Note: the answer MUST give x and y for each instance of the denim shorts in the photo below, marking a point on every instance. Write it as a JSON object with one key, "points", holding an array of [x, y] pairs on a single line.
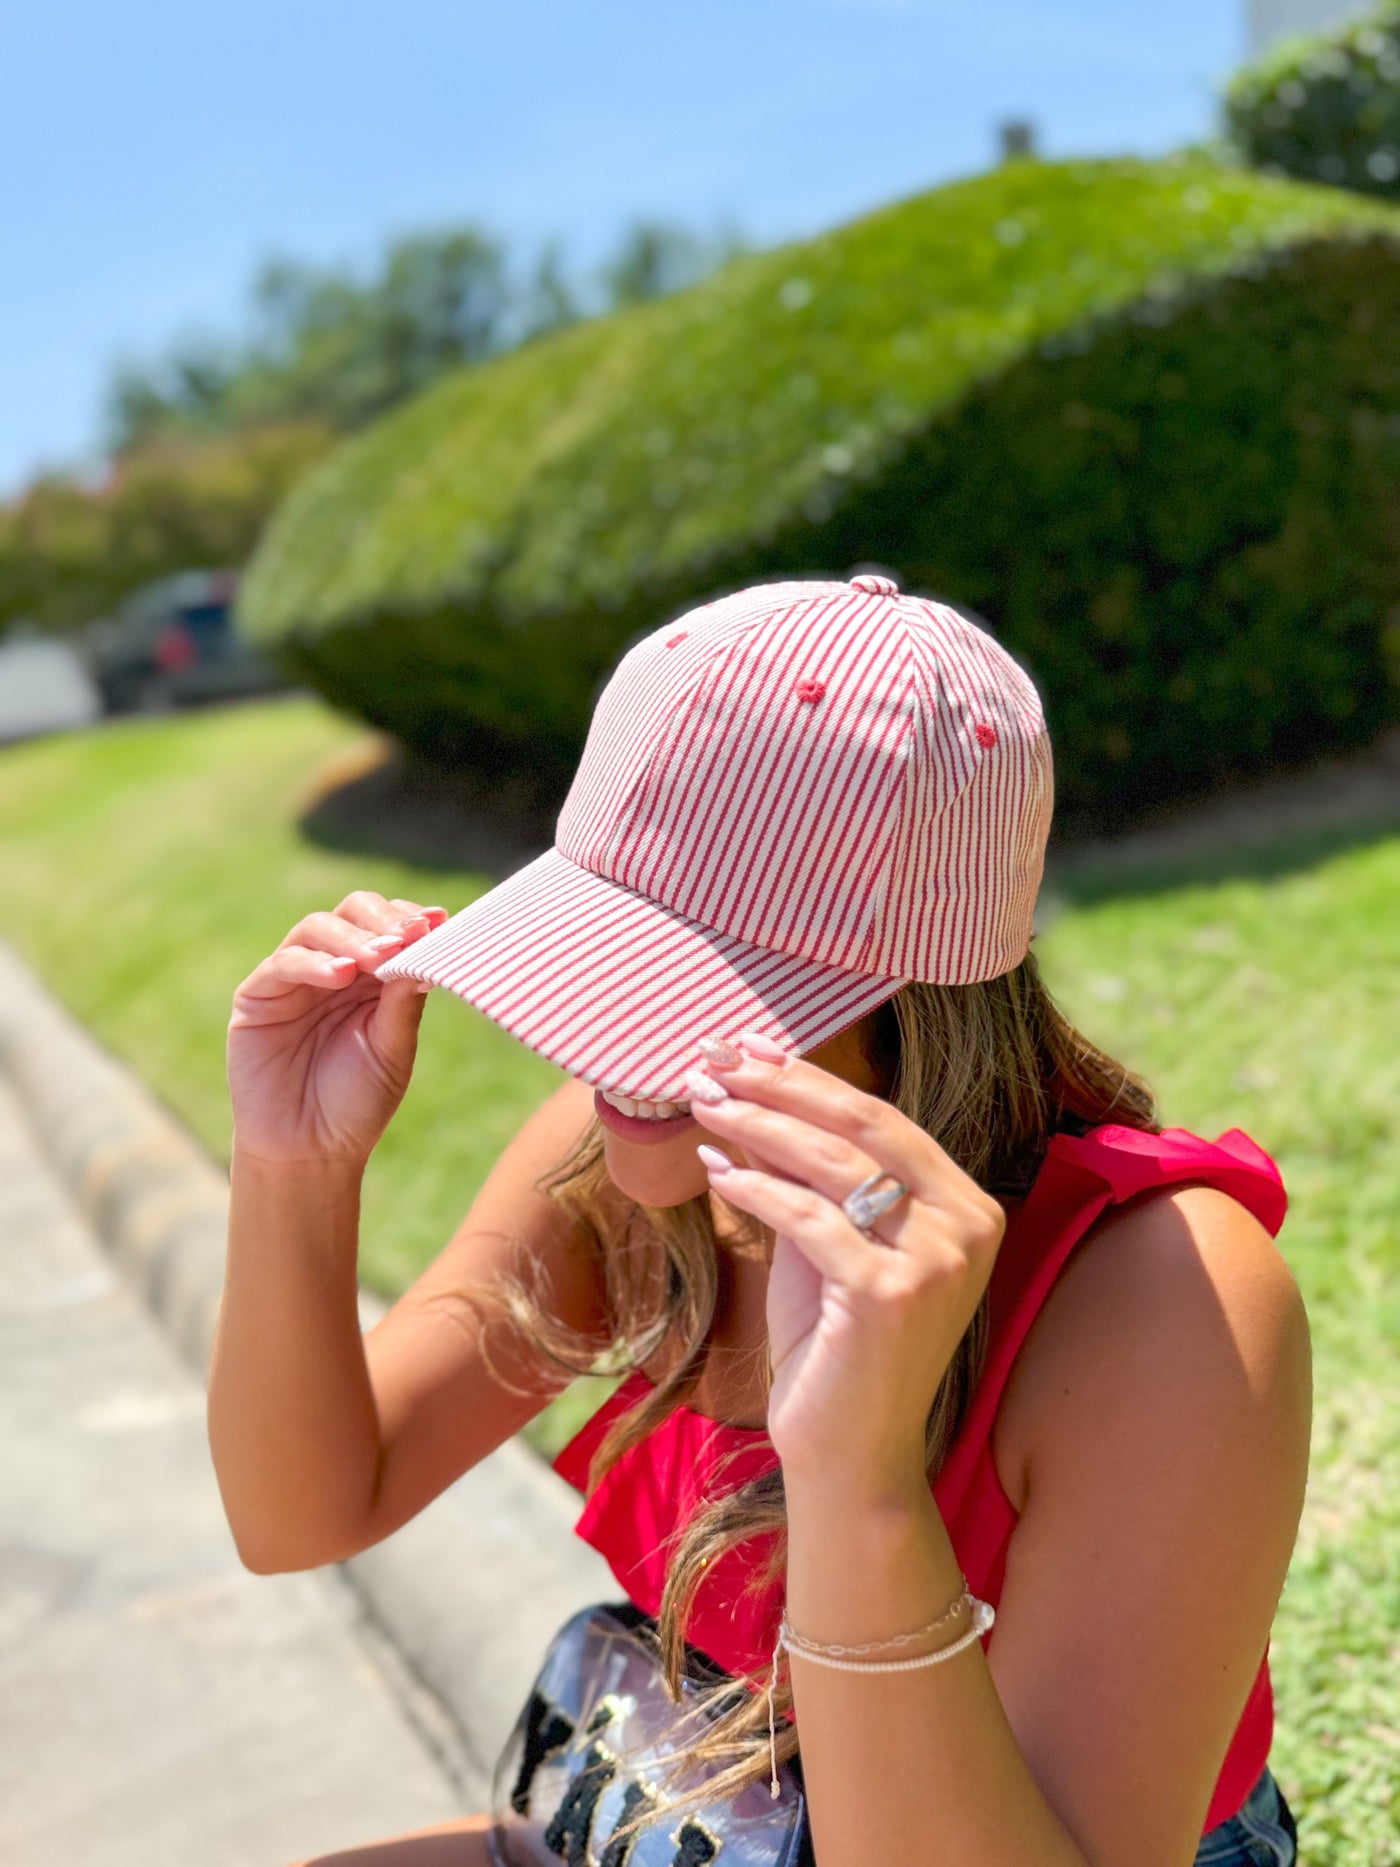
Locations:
{"points": [[1262, 1834]]}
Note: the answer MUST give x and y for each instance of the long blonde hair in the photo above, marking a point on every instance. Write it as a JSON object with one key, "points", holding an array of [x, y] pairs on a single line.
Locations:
{"points": [[990, 1070]]}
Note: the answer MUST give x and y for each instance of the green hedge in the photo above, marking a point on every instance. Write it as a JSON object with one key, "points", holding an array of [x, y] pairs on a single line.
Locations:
{"points": [[1143, 418], [1326, 108]]}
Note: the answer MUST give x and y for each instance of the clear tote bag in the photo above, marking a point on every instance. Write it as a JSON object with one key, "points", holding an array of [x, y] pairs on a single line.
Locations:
{"points": [[586, 1754]]}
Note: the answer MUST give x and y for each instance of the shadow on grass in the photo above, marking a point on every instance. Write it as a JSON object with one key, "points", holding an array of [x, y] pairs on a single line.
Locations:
{"points": [[1256, 832], [383, 803], [1072, 885]]}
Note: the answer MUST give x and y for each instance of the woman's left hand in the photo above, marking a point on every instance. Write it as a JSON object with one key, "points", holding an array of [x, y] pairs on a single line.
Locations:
{"points": [[860, 1330]]}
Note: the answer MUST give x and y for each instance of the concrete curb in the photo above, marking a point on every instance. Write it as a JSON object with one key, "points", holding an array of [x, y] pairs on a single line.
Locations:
{"points": [[471, 1590]]}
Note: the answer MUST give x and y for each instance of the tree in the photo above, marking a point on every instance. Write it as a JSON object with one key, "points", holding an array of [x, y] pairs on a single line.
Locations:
{"points": [[655, 258], [326, 344]]}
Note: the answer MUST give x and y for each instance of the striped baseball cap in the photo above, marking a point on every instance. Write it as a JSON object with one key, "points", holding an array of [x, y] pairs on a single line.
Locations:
{"points": [[791, 802]]}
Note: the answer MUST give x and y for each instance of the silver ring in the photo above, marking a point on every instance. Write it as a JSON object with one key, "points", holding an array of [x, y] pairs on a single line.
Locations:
{"points": [[862, 1206]]}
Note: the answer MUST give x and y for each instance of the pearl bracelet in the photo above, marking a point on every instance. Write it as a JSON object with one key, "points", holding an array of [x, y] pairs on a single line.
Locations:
{"points": [[983, 1616]]}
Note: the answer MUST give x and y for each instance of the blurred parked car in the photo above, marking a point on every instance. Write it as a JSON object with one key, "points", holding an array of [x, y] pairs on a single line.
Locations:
{"points": [[45, 686], [172, 644]]}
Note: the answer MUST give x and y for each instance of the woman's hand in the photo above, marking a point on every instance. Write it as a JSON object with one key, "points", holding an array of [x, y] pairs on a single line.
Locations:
{"points": [[860, 1330], [320, 1052]]}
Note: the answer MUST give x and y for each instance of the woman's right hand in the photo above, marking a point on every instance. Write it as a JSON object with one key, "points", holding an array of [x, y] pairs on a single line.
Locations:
{"points": [[320, 1052]]}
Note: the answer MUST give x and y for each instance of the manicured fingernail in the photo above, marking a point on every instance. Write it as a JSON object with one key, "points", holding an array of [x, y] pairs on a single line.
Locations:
{"points": [[442, 911], [715, 1050], [422, 985], [713, 1159], [758, 1046], [704, 1088], [381, 942]]}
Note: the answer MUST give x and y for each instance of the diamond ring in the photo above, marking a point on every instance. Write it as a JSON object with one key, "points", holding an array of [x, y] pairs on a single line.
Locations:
{"points": [[862, 1205]]}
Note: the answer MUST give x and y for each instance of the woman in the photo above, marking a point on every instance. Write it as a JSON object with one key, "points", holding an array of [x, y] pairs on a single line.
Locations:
{"points": [[964, 1440]]}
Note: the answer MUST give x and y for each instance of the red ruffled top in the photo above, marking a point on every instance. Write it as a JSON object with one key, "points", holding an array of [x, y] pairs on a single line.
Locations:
{"points": [[655, 1487]]}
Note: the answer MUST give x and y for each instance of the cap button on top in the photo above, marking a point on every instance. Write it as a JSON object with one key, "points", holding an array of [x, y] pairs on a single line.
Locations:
{"points": [[876, 586]]}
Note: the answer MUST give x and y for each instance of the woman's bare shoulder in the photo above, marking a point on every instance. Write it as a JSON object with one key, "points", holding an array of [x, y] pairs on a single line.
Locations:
{"points": [[1162, 1422], [1176, 1299]]}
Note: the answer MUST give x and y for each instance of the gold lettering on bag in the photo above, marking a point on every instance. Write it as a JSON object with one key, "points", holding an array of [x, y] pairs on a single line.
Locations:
{"points": [[546, 1731], [569, 1834], [624, 1837], [609, 1707], [695, 1845]]}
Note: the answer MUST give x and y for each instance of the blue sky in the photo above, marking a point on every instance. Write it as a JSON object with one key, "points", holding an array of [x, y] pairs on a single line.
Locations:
{"points": [[153, 153]]}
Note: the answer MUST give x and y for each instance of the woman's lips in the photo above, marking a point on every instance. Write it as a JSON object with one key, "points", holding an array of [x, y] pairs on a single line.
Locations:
{"points": [[635, 1128]]}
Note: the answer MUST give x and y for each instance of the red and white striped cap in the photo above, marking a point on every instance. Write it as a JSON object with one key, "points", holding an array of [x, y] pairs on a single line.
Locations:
{"points": [[791, 802]]}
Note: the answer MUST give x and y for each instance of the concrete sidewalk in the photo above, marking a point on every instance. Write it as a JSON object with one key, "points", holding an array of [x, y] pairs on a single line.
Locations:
{"points": [[160, 1706]]}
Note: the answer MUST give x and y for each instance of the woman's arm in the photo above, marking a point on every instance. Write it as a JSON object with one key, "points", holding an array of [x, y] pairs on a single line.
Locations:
{"points": [[325, 1441], [290, 1410], [1172, 1409]]}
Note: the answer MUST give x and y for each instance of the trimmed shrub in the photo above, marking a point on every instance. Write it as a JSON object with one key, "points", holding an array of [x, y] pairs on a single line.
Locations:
{"points": [[1326, 108], [1143, 418]]}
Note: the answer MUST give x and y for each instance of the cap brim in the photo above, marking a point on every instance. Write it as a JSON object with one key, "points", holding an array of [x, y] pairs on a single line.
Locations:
{"points": [[616, 989]]}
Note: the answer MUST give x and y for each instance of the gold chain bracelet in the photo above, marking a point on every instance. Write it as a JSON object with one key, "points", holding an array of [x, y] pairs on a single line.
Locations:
{"points": [[799, 1642], [837, 1657]]}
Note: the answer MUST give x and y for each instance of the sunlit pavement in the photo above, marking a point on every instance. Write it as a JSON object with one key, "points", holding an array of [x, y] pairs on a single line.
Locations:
{"points": [[161, 1706]]}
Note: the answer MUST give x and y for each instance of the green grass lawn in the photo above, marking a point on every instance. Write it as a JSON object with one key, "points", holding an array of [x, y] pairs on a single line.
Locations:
{"points": [[149, 865]]}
